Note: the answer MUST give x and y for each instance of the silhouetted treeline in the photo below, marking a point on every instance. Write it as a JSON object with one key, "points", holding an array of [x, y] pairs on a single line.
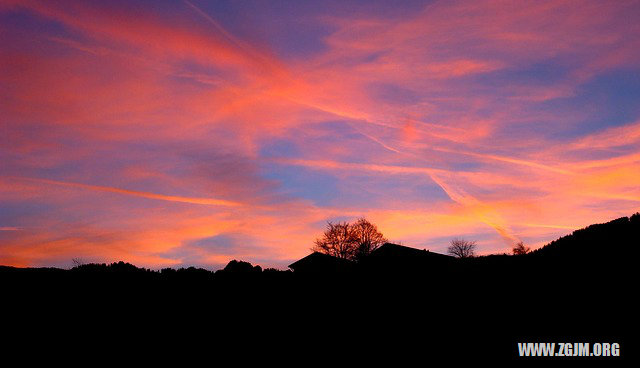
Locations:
{"points": [[126, 271], [401, 305], [619, 238], [614, 241]]}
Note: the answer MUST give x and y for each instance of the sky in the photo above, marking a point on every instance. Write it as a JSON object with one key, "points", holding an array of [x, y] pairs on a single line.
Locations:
{"points": [[189, 133]]}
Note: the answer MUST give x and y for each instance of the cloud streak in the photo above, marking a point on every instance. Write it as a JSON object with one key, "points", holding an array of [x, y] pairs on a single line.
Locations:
{"points": [[490, 120], [135, 193]]}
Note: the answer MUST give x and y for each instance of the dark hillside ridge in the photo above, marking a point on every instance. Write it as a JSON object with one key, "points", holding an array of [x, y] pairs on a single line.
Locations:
{"points": [[616, 241], [402, 305], [617, 238]]}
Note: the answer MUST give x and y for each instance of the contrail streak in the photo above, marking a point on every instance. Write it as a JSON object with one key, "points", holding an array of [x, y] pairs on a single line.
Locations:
{"points": [[135, 193], [480, 210]]}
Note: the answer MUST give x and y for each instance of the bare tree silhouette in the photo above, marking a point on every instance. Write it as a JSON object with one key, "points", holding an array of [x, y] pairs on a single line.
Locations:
{"points": [[520, 249], [350, 241], [77, 262], [338, 241], [462, 248], [367, 236]]}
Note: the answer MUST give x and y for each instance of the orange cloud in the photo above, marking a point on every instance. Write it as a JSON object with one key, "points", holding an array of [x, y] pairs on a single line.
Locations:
{"points": [[192, 200], [449, 100], [610, 137]]}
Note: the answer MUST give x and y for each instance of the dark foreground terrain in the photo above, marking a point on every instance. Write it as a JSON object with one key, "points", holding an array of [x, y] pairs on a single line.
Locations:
{"points": [[580, 288]]}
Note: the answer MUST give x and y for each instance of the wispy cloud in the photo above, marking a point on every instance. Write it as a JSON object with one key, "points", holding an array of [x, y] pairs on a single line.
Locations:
{"points": [[161, 197], [496, 121]]}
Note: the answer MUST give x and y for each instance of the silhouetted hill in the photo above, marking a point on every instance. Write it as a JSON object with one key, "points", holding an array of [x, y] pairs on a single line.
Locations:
{"points": [[577, 288], [598, 249], [616, 239], [619, 238], [241, 266]]}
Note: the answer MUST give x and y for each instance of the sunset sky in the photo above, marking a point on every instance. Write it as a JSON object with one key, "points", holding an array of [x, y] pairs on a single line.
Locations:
{"points": [[189, 133]]}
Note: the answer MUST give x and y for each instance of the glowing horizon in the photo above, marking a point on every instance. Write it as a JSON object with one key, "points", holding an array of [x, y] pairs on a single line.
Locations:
{"points": [[179, 133]]}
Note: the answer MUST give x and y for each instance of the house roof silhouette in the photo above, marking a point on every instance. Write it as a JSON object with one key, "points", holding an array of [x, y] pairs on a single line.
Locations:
{"points": [[398, 258], [390, 250], [388, 256], [320, 262]]}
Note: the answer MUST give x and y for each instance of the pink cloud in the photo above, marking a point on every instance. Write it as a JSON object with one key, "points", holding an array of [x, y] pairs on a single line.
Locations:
{"points": [[145, 131]]}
